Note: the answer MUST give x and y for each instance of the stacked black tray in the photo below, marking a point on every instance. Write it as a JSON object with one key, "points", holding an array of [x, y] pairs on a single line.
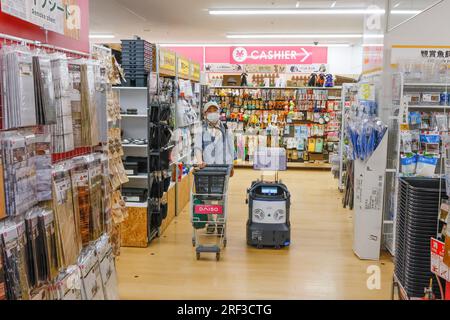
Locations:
{"points": [[138, 60], [417, 222]]}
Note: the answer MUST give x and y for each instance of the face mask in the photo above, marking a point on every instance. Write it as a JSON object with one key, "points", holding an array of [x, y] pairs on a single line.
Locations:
{"points": [[213, 117]]}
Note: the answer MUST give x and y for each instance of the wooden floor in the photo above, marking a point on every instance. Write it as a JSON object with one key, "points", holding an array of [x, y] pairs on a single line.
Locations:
{"points": [[320, 264]]}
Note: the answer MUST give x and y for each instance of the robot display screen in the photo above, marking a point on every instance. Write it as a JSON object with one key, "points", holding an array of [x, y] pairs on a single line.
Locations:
{"points": [[269, 190]]}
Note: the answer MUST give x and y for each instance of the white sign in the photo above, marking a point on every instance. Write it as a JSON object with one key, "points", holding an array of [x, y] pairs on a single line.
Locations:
{"points": [[49, 14], [224, 67], [305, 68], [417, 53]]}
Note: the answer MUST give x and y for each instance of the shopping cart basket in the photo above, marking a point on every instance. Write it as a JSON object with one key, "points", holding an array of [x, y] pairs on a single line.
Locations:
{"points": [[209, 209]]}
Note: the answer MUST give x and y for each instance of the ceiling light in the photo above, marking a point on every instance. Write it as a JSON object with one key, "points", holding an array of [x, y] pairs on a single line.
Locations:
{"points": [[406, 12], [175, 45], [292, 36], [396, 5], [297, 5], [101, 36], [294, 11], [333, 4]]}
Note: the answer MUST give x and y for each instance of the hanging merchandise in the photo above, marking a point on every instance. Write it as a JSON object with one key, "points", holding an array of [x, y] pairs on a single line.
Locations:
{"points": [[45, 92], [69, 285], [49, 265], [365, 135], [107, 268], [18, 84], [91, 278], [20, 172], [2, 277], [68, 230], [63, 135], [13, 245]]}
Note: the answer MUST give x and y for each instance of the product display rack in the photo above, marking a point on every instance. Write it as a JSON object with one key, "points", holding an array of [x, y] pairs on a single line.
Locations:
{"points": [[405, 103], [305, 120], [62, 229]]}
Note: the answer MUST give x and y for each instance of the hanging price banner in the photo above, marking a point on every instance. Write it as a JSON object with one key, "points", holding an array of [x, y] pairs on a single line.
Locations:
{"points": [[184, 68]]}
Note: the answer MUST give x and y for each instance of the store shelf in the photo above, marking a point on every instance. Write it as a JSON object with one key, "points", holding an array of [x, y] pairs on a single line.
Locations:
{"points": [[143, 177], [426, 84], [278, 88], [131, 116], [428, 107], [136, 204], [135, 146], [130, 88], [291, 165]]}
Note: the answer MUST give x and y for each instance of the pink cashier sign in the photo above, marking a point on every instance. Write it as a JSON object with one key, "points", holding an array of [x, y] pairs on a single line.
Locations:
{"points": [[278, 55]]}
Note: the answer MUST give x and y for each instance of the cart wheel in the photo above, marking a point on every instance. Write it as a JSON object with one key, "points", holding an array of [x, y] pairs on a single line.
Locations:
{"points": [[225, 241], [198, 255], [194, 243], [259, 246], [218, 256], [277, 247]]}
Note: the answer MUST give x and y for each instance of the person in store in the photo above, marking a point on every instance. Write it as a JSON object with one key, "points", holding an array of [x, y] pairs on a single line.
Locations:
{"points": [[214, 144]]}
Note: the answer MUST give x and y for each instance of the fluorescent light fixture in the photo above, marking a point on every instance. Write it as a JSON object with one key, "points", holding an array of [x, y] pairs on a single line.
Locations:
{"points": [[406, 12], [297, 5], [101, 36], [294, 11], [293, 36], [396, 5], [175, 45], [333, 4]]}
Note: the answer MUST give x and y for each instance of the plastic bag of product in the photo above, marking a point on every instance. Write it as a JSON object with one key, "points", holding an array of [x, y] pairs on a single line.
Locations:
{"points": [[408, 164], [426, 165], [91, 275], [107, 268], [406, 142], [69, 284]]}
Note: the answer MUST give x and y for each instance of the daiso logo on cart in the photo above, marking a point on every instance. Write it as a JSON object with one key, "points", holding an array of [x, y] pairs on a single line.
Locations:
{"points": [[208, 209]]}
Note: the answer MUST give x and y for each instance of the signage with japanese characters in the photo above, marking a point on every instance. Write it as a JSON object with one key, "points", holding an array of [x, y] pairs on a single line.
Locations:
{"points": [[167, 62], [437, 260], [195, 71], [184, 68], [60, 16], [400, 53], [278, 55]]}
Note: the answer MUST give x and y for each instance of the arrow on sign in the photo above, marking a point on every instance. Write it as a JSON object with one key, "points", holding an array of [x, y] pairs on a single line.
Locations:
{"points": [[306, 53]]}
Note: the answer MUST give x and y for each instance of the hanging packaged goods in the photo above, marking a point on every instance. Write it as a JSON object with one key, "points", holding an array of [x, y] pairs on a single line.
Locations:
{"points": [[61, 212]]}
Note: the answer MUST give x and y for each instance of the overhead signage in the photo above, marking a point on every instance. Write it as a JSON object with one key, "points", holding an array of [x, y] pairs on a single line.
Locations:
{"points": [[167, 61], [60, 16], [420, 53], [184, 67], [278, 55], [195, 71]]}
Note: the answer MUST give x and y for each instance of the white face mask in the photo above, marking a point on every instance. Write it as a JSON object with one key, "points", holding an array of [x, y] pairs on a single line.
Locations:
{"points": [[213, 117]]}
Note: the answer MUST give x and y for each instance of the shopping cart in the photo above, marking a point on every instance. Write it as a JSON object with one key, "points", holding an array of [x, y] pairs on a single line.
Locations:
{"points": [[209, 209]]}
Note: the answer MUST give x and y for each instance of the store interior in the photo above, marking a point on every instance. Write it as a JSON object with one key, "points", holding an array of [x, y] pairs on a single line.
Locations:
{"points": [[329, 175]]}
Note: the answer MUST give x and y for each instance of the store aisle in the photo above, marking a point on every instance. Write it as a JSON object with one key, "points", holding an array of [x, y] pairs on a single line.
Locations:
{"points": [[320, 264]]}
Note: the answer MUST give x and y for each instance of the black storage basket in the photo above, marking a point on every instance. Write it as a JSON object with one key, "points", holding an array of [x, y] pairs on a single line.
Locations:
{"points": [[211, 181], [417, 223]]}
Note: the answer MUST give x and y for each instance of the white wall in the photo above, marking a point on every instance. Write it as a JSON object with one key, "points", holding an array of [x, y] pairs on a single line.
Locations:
{"points": [[345, 60]]}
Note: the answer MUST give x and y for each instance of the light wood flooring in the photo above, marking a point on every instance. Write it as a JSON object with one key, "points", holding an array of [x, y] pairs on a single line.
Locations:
{"points": [[320, 263]]}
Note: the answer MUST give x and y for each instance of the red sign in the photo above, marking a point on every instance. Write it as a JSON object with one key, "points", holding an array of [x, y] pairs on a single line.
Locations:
{"points": [[208, 209], [278, 55], [71, 39]]}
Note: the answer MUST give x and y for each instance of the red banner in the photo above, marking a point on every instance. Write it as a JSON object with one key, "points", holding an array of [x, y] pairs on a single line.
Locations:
{"points": [[70, 38], [278, 55]]}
